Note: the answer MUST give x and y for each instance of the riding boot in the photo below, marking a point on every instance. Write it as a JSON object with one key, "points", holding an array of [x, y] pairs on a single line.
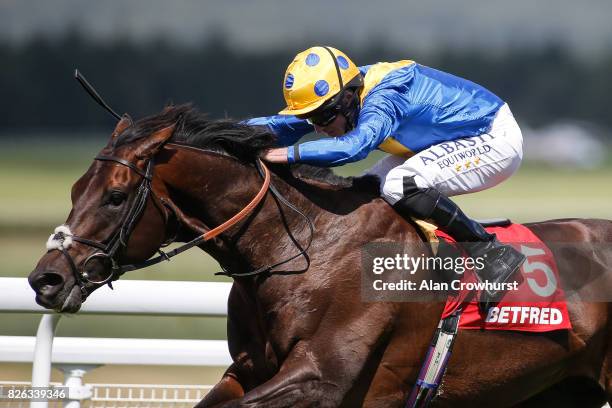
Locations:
{"points": [[501, 261]]}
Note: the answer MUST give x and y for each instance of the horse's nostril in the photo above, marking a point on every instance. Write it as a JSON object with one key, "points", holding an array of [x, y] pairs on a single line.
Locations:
{"points": [[49, 280]]}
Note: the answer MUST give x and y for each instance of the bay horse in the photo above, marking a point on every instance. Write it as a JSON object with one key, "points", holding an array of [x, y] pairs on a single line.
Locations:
{"points": [[302, 336]]}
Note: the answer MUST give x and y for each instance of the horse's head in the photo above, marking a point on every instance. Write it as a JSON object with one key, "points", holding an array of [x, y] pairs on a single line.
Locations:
{"points": [[115, 218]]}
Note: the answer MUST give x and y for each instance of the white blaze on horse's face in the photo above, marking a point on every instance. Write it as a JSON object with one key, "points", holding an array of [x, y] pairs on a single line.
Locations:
{"points": [[60, 239]]}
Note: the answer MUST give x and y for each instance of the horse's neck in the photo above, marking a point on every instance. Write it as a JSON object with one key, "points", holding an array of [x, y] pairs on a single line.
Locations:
{"points": [[212, 188]]}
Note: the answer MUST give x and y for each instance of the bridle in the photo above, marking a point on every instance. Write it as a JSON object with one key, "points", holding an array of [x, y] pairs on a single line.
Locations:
{"points": [[118, 241], [119, 238]]}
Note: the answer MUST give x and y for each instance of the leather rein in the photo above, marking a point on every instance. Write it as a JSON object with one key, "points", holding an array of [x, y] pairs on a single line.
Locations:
{"points": [[118, 241]]}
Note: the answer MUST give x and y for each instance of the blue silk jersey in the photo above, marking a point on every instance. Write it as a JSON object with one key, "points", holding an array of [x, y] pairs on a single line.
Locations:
{"points": [[405, 108]]}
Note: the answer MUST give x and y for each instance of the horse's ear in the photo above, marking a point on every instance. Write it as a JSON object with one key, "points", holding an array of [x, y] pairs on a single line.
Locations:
{"points": [[124, 123], [153, 143]]}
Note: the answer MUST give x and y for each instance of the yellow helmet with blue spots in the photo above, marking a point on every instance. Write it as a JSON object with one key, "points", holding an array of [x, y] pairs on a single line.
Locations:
{"points": [[314, 77]]}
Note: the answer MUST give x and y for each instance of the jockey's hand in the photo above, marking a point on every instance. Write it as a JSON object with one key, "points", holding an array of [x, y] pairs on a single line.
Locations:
{"points": [[277, 155]]}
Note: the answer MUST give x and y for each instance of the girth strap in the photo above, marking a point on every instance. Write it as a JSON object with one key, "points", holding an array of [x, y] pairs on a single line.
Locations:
{"points": [[435, 363]]}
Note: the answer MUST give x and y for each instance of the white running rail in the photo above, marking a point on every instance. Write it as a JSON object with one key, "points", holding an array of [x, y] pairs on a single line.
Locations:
{"points": [[77, 355]]}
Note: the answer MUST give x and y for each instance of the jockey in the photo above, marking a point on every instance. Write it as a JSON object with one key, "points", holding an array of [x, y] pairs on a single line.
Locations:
{"points": [[445, 136]]}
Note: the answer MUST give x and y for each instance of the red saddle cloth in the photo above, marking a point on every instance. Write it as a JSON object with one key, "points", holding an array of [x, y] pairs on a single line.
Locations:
{"points": [[539, 303]]}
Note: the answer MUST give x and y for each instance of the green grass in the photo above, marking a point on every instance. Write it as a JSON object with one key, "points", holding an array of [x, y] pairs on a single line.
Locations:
{"points": [[36, 188], [153, 327], [537, 194], [35, 180]]}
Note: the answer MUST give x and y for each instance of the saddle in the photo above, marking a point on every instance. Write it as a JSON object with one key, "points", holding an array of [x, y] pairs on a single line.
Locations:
{"points": [[528, 309]]}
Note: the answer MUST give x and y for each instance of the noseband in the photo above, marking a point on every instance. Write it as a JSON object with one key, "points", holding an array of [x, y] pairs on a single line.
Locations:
{"points": [[120, 237]]}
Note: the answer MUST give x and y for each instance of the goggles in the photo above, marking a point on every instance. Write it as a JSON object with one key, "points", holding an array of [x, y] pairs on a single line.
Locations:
{"points": [[325, 117]]}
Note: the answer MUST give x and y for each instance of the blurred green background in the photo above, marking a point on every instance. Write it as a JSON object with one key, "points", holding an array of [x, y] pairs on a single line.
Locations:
{"points": [[229, 59]]}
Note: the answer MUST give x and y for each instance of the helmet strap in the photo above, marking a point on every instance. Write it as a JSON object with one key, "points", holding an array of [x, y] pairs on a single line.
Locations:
{"points": [[350, 109], [340, 82]]}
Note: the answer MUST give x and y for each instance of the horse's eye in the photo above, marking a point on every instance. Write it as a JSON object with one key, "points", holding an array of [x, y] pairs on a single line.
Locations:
{"points": [[116, 198]]}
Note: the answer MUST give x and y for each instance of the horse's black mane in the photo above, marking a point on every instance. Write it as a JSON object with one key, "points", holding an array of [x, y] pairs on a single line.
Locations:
{"points": [[195, 129], [230, 137]]}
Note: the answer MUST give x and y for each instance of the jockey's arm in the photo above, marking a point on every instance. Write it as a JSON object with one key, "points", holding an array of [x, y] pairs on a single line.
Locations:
{"points": [[378, 118], [288, 129]]}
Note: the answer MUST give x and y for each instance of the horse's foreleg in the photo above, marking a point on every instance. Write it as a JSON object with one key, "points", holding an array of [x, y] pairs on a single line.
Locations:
{"points": [[250, 367], [228, 389], [321, 371], [299, 383]]}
